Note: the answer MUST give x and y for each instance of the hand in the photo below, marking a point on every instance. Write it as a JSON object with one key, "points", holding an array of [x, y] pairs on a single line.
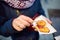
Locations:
{"points": [[21, 22], [49, 21]]}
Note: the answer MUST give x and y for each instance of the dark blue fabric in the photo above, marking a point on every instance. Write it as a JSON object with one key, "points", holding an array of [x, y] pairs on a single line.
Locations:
{"points": [[7, 14]]}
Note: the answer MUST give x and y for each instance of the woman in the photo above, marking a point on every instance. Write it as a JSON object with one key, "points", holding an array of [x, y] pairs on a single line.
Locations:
{"points": [[16, 16]]}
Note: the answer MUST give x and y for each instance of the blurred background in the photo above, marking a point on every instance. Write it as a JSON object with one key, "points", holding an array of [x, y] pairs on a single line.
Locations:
{"points": [[52, 11]]}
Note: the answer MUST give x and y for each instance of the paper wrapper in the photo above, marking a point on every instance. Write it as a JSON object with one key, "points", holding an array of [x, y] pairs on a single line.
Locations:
{"points": [[50, 27]]}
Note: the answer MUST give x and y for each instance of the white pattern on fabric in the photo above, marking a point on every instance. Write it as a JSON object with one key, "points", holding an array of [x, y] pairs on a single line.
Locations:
{"points": [[20, 4]]}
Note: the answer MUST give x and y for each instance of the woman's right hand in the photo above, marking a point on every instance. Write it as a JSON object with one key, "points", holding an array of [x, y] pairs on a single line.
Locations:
{"points": [[21, 22]]}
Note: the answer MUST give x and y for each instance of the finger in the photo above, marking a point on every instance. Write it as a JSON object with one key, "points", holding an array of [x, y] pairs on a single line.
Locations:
{"points": [[47, 20], [17, 28], [28, 19], [17, 22], [22, 21], [21, 26], [35, 28]]}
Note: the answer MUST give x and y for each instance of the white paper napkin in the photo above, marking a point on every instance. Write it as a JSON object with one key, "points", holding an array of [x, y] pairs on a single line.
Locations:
{"points": [[50, 27]]}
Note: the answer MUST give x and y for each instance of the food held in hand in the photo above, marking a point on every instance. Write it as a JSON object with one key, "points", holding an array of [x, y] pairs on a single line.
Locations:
{"points": [[41, 26], [41, 23], [45, 30]]}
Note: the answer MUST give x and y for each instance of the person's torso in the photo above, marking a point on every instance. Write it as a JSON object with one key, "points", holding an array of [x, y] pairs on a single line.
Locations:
{"points": [[11, 12], [30, 12]]}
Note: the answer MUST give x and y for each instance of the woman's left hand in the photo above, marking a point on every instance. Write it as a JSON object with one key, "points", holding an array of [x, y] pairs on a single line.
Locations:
{"points": [[49, 21]]}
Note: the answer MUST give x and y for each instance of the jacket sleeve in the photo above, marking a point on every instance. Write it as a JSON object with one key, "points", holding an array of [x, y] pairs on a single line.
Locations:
{"points": [[6, 28], [41, 11]]}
